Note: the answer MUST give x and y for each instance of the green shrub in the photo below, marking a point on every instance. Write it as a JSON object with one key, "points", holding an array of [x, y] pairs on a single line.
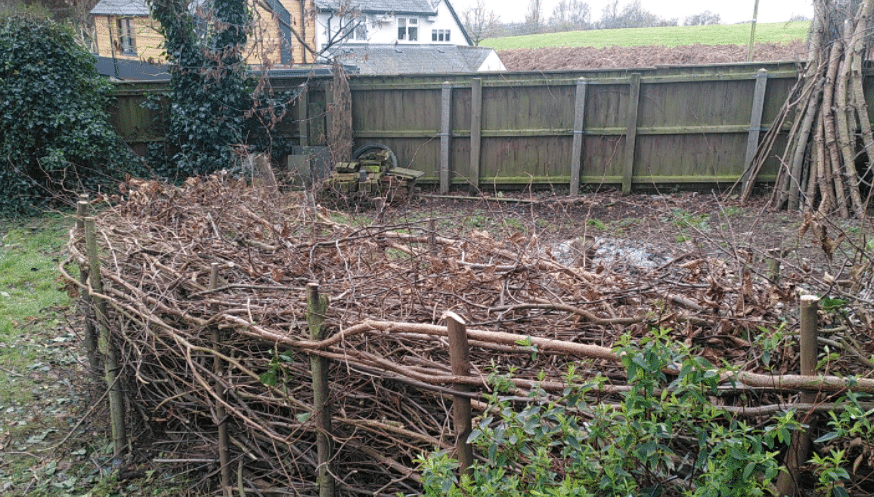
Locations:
{"points": [[217, 108], [56, 138], [664, 437]]}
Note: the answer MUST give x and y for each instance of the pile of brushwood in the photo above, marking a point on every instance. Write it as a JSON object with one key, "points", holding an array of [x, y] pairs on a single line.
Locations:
{"points": [[389, 286], [826, 165]]}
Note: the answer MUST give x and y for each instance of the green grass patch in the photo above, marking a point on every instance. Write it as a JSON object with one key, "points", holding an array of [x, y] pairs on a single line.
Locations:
{"points": [[671, 36], [29, 289], [597, 224], [43, 384]]}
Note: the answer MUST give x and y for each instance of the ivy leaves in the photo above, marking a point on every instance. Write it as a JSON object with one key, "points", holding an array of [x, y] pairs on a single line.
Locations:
{"points": [[209, 87], [56, 138]]}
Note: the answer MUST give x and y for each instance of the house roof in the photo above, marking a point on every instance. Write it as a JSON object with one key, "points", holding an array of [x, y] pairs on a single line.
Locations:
{"points": [[121, 8], [137, 70], [421, 7], [131, 70], [414, 59], [381, 6], [458, 21], [475, 56]]}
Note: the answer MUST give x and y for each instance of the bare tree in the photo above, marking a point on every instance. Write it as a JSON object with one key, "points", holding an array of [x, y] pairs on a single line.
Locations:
{"points": [[633, 15], [571, 14], [703, 19], [580, 14], [610, 16], [480, 22], [534, 16]]}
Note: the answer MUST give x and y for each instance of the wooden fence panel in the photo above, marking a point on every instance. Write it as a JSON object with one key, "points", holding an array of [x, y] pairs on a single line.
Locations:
{"points": [[607, 108], [139, 125], [692, 124], [603, 159]]}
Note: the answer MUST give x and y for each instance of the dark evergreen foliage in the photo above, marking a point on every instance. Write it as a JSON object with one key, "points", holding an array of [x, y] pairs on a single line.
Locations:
{"points": [[55, 136]]}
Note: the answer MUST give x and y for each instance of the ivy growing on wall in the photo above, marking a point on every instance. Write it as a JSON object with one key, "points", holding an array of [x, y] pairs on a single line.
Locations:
{"points": [[55, 136], [217, 110]]}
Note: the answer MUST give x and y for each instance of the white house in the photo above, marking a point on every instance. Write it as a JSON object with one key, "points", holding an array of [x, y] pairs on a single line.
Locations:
{"points": [[399, 36]]}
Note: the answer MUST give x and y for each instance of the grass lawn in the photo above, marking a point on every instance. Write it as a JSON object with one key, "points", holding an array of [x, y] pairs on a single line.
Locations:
{"points": [[29, 291], [53, 423], [672, 36]]}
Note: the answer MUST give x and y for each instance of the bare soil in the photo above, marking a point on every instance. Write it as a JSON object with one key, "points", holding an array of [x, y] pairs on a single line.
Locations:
{"points": [[559, 59], [669, 225]]}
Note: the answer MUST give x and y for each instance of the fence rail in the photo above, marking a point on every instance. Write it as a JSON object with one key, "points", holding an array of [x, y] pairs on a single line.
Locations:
{"points": [[652, 126]]}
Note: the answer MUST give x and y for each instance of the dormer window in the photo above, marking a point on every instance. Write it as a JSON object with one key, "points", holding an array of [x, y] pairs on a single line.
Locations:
{"points": [[440, 35], [357, 30], [408, 28]]}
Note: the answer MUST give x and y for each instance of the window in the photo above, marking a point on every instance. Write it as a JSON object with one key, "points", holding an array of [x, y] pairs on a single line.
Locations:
{"points": [[440, 35], [358, 30], [126, 37], [408, 28], [361, 32]]}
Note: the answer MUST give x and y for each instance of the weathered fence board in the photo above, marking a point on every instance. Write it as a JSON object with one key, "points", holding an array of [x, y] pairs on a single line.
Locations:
{"points": [[689, 124]]}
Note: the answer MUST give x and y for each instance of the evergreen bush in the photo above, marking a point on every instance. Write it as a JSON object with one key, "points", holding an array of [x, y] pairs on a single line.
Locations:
{"points": [[55, 135]]}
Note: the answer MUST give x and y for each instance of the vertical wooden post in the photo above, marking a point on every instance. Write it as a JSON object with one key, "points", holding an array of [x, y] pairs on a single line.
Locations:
{"points": [[631, 132], [111, 366], [317, 305], [91, 339], [755, 125], [329, 109], [774, 262], [221, 415], [303, 103], [459, 359], [445, 135], [787, 482], [753, 31], [476, 119], [809, 349], [380, 204], [579, 131]]}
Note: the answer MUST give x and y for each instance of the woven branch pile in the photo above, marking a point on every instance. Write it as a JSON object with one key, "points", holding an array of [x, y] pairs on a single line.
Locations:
{"points": [[391, 384]]}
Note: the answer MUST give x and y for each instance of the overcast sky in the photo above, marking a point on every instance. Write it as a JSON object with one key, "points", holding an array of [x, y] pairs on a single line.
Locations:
{"points": [[731, 11]]}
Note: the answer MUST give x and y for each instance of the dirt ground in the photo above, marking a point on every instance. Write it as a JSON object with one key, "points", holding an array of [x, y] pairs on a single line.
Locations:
{"points": [[669, 223], [555, 59]]}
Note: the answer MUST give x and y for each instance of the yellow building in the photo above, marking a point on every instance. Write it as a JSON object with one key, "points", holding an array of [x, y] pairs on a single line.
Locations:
{"points": [[124, 30]]}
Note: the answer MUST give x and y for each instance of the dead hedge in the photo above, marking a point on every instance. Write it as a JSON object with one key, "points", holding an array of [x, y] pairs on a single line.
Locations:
{"points": [[391, 383]]}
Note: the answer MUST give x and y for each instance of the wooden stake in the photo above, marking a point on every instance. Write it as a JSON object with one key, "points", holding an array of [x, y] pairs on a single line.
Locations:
{"points": [[317, 306], [753, 32], [832, 167], [432, 237], [755, 125], [91, 338], [631, 132], [111, 366], [774, 265], [858, 91], [846, 138], [795, 176], [445, 135], [797, 453], [221, 415], [476, 118], [303, 124], [579, 130], [459, 359]]}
